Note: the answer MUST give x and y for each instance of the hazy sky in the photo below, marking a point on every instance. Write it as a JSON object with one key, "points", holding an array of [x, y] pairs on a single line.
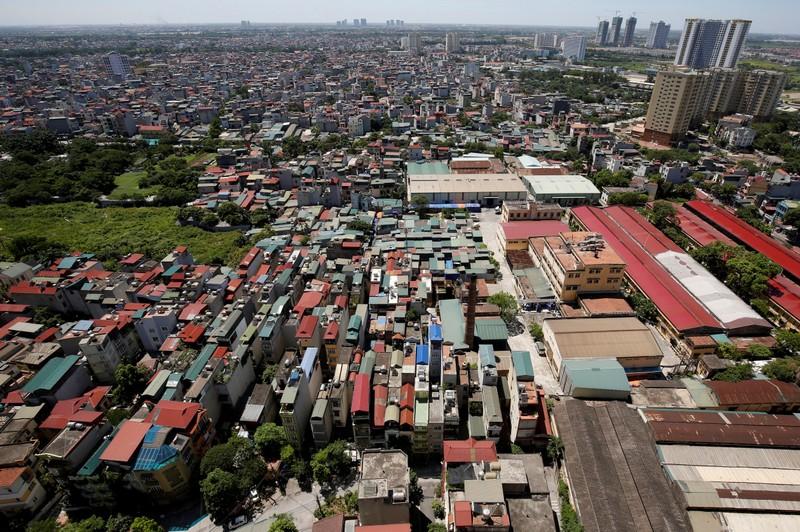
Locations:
{"points": [[778, 16]]}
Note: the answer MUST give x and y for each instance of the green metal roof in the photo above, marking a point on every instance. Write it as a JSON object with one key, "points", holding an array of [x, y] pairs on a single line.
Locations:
{"points": [[452, 321], [701, 394], [421, 413], [93, 463], [476, 428], [597, 374], [50, 375], [200, 362], [523, 364], [493, 329]]}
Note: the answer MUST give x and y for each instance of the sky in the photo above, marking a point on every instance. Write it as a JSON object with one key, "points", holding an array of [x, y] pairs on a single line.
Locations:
{"points": [[768, 16]]}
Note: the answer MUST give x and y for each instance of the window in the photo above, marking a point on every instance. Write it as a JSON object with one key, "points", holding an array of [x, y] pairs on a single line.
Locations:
{"points": [[593, 280], [595, 271]]}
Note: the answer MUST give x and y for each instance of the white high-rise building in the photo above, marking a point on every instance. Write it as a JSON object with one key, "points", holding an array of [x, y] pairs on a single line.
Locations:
{"points": [[711, 43], [117, 65], [574, 47], [452, 43], [545, 40], [659, 35]]}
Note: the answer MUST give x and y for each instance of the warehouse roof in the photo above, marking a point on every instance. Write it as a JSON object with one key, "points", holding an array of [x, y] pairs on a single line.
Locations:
{"points": [[673, 301], [755, 392], [698, 229], [522, 230], [444, 184], [614, 472], [746, 234], [560, 185], [602, 337]]}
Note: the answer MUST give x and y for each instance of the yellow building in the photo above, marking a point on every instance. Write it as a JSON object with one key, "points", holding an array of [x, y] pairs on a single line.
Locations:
{"points": [[578, 263]]}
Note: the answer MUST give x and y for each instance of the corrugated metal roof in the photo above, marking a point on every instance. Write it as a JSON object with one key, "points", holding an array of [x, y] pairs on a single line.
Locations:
{"points": [[732, 457], [492, 329], [603, 338], [50, 375], [597, 374], [523, 365]]}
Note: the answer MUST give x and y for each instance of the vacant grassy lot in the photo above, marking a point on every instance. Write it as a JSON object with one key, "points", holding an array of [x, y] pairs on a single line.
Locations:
{"points": [[114, 232], [128, 184]]}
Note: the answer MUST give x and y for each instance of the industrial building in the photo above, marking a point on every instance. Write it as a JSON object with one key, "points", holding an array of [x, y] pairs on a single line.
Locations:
{"points": [[564, 190], [472, 181]]}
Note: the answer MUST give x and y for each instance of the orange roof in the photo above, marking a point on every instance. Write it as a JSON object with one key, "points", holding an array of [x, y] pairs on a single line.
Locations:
{"points": [[174, 414], [124, 445], [470, 450], [9, 475]]}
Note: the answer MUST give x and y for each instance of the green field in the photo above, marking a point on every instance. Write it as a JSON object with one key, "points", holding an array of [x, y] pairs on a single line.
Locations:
{"points": [[114, 232], [128, 185], [198, 158]]}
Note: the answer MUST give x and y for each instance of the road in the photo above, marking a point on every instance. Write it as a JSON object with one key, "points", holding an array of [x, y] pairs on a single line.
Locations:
{"points": [[544, 376]]}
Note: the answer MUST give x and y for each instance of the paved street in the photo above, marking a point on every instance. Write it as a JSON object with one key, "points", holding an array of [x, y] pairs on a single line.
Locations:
{"points": [[489, 222]]}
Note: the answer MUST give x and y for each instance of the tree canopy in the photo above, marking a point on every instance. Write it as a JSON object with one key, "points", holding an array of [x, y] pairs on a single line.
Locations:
{"points": [[507, 303]]}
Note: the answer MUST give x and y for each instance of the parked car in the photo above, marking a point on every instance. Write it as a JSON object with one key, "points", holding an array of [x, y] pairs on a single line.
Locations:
{"points": [[498, 210], [540, 348], [237, 522]]}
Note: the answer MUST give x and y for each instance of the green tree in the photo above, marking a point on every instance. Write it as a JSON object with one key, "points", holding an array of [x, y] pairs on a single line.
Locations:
{"points": [[536, 331], [332, 463], [34, 248], [436, 527], [46, 525], [758, 352], [787, 342], [729, 351], [283, 523], [420, 203], [360, 225], [629, 199], [663, 214], [119, 523], [415, 494], [555, 448], [145, 524], [438, 509], [215, 129], [90, 524], [783, 369], [736, 373], [507, 304], [222, 493], [270, 438], [570, 522], [129, 380], [644, 307], [232, 214]]}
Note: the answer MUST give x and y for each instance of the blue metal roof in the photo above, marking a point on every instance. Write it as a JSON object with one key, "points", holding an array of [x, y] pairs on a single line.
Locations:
{"points": [[422, 354], [435, 332], [486, 354], [309, 360]]}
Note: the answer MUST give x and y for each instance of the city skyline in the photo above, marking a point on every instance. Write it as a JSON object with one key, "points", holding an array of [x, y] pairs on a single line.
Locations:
{"points": [[767, 17]]}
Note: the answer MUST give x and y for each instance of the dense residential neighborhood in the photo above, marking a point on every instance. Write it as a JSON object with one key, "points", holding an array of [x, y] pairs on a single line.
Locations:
{"points": [[391, 277]]}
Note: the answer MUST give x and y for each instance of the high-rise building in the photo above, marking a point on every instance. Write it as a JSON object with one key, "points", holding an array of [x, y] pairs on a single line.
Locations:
{"points": [[711, 43], [545, 40], [356, 22], [414, 43], [363, 22], [117, 65], [574, 47], [602, 33], [630, 30], [659, 35], [452, 43], [682, 99], [616, 26]]}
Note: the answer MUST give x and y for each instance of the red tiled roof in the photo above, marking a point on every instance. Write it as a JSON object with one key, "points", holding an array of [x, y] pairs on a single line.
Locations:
{"points": [[462, 511], [785, 294], [192, 333], [307, 327], [308, 301], [9, 475], [698, 229], [679, 307], [124, 445], [360, 394], [748, 236], [13, 308], [379, 415], [468, 451], [174, 414]]}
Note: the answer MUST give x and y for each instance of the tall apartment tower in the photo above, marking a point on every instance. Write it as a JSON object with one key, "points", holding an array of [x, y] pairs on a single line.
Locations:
{"points": [[630, 30], [574, 47], [452, 43], [616, 26], [711, 43], [682, 99], [602, 33], [414, 43], [117, 65], [659, 35]]}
